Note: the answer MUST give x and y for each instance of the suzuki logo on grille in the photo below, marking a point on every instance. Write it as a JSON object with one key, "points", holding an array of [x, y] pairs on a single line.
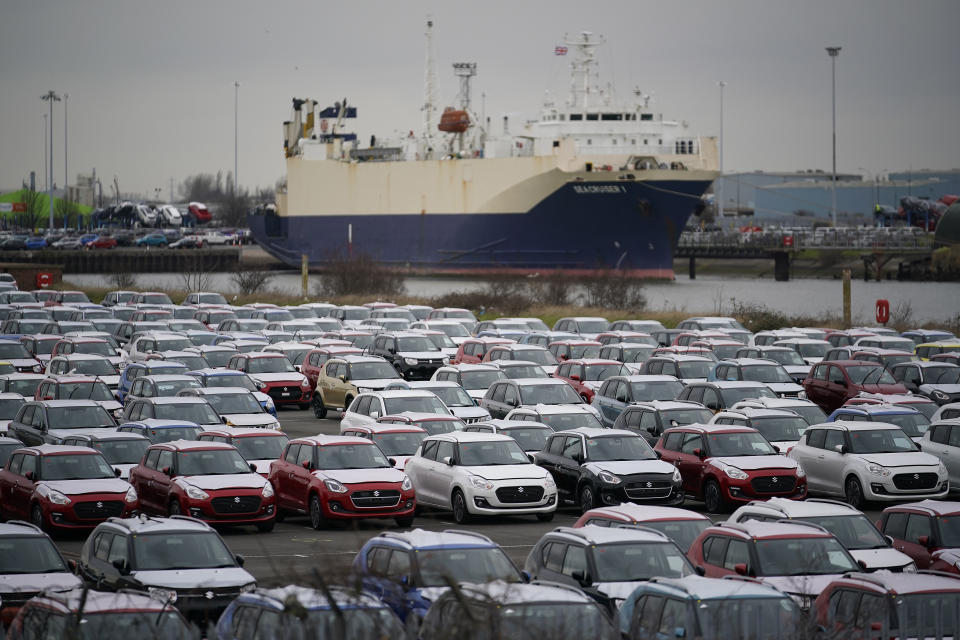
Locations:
{"points": [[916, 476], [237, 499], [519, 489], [775, 479], [99, 505], [208, 595], [649, 484], [376, 494]]}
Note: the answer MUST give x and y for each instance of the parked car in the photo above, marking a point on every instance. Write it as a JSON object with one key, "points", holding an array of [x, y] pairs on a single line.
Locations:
{"points": [[937, 380], [342, 378], [121, 450], [680, 525], [780, 427], [911, 421], [928, 531], [505, 395], [284, 384], [50, 421], [619, 392]]}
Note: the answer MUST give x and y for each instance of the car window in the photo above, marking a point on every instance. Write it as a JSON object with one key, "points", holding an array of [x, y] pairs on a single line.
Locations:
{"points": [[895, 525], [737, 553], [836, 375], [673, 440], [498, 392], [399, 565], [574, 560], [714, 549], [101, 548], [691, 441], [556, 445], [305, 454], [816, 437], [510, 395], [954, 437], [834, 438], [917, 525], [165, 460], [429, 450], [571, 447], [152, 457], [646, 617], [444, 450], [118, 549], [28, 464], [672, 618], [291, 455]]}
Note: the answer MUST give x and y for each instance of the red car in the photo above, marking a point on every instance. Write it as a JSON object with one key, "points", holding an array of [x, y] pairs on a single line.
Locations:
{"points": [[587, 375], [927, 531], [103, 242], [574, 349], [209, 481], [831, 383], [724, 464], [341, 478], [471, 351], [313, 361], [274, 375], [680, 525], [61, 487], [199, 212]]}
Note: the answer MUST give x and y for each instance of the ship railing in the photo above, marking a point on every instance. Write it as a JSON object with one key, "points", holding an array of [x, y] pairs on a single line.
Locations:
{"points": [[870, 238]]}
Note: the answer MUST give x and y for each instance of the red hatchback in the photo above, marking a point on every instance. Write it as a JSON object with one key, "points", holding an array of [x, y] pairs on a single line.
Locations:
{"points": [[209, 481], [586, 375], [275, 376], [927, 531], [831, 383], [341, 478], [723, 464], [61, 487], [472, 350]]}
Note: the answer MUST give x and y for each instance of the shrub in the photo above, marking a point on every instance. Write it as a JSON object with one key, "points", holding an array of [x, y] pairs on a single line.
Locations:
{"points": [[358, 274], [250, 282]]}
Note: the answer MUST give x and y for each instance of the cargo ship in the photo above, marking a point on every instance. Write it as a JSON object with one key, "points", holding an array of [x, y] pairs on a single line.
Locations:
{"points": [[592, 183]]}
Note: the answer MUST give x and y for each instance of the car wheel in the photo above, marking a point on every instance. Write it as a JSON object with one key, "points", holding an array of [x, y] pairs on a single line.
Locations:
{"points": [[281, 514], [174, 508], [461, 515], [853, 493], [587, 500], [36, 517], [319, 411], [266, 527], [545, 517], [713, 498], [346, 404], [403, 523], [316, 512]]}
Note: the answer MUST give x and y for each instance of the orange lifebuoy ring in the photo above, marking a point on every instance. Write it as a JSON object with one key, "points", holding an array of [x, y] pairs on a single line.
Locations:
{"points": [[44, 279], [883, 311]]}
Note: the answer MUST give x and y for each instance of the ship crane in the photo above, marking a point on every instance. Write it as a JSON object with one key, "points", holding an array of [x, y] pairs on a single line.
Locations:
{"points": [[459, 120]]}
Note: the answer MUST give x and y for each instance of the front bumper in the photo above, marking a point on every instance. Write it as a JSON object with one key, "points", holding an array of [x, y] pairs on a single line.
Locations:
{"points": [[761, 486], [290, 392], [507, 499], [916, 483], [660, 493], [88, 510], [231, 506], [369, 500]]}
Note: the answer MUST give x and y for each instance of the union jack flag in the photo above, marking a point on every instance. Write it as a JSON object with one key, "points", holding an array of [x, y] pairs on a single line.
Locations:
{"points": [[559, 51]]}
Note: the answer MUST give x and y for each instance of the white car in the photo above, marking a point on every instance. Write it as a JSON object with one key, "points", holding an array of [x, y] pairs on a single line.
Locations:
{"points": [[781, 427], [480, 473], [367, 407], [399, 442], [214, 237], [170, 215], [853, 529], [862, 461], [236, 406]]}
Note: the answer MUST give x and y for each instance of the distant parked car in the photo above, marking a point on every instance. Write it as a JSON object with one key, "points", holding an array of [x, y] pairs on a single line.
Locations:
{"points": [[35, 242], [103, 242], [152, 240]]}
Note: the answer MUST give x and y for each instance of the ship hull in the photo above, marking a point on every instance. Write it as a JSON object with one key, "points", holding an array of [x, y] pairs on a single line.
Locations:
{"points": [[632, 225]]}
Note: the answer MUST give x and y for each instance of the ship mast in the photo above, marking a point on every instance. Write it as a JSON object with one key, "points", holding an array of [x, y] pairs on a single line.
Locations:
{"points": [[582, 66], [429, 94]]}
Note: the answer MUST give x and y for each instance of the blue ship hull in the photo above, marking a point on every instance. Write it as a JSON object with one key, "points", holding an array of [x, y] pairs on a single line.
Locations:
{"points": [[633, 225]]}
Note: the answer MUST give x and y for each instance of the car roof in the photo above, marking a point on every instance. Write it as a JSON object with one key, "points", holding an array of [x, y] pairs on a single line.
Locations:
{"points": [[666, 405], [751, 412], [150, 524], [401, 393], [858, 425], [811, 507], [352, 358], [20, 529], [188, 445], [240, 432], [423, 539], [67, 403], [711, 428], [601, 432], [878, 409], [754, 529], [631, 512], [116, 435], [323, 440], [595, 535], [503, 424], [58, 449], [935, 507], [101, 601], [174, 400], [699, 588], [160, 423], [905, 583], [312, 599], [504, 594], [381, 427], [556, 409]]}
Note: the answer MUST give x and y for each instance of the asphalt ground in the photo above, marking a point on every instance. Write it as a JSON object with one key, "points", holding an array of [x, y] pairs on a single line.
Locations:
{"points": [[296, 553]]}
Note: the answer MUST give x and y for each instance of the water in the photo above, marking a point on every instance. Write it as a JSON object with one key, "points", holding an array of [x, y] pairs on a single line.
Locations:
{"points": [[929, 301]]}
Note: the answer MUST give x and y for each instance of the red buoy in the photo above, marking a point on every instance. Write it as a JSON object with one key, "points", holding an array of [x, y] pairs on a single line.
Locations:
{"points": [[883, 311]]}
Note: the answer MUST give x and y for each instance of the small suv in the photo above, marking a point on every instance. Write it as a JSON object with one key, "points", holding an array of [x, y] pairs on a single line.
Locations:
{"points": [[342, 378], [780, 427], [619, 392], [397, 441], [910, 420], [276, 377], [772, 374], [831, 383], [586, 375], [413, 355], [650, 419]]}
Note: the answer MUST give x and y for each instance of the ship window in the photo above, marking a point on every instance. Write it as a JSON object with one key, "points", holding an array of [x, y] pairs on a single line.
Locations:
{"points": [[556, 143], [645, 141], [563, 116], [593, 116], [660, 142], [589, 141], [614, 141], [576, 116], [612, 116], [633, 142], [646, 116]]}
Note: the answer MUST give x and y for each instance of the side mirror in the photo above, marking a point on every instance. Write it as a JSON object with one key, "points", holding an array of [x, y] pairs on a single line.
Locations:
{"points": [[531, 458], [120, 565], [924, 541], [700, 570], [30, 475], [74, 567], [392, 461], [889, 539], [342, 377], [405, 580], [863, 564], [699, 453], [876, 626], [240, 560], [167, 471], [840, 448], [223, 419], [776, 448], [116, 472], [526, 576], [575, 377], [253, 467], [582, 577], [680, 632], [305, 464], [447, 460], [374, 414], [578, 458]]}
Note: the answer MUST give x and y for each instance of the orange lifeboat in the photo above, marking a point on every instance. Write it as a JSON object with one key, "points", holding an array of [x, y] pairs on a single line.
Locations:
{"points": [[454, 120]]}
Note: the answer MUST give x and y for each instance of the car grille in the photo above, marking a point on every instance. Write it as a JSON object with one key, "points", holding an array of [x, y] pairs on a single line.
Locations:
{"points": [[773, 484], [235, 504], [98, 509], [472, 420], [520, 494], [908, 481], [288, 392], [647, 487], [375, 499]]}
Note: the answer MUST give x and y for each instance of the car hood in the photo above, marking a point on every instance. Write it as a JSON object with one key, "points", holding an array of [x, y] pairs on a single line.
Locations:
{"points": [[282, 376], [470, 412], [30, 582], [805, 585], [950, 389], [193, 578], [784, 387], [60, 434], [476, 394], [81, 487], [951, 556], [527, 471], [618, 591], [109, 405], [360, 476], [907, 459], [124, 470], [421, 355], [627, 467], [886, 558], [432, 593], [230, 481], [374, 384], [593, 385], [251, 419], [758, 462]]}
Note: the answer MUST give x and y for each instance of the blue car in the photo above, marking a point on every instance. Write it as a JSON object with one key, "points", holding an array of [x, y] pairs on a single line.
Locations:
{"points": [[911, 421], [87, 238], [299, 612], [157, 430], [146, 368], [409, 570], [35, 242], [152, 240]]}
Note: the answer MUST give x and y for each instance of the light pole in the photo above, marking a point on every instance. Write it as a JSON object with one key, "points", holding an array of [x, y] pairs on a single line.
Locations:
{"points": [[720, 180], [51, 97], [236, 130], [833, 53], [46, 166], [66, 174]]}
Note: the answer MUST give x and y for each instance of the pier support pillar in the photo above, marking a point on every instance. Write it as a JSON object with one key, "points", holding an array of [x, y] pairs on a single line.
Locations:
{"points": [[781, 266], [693, 267]]}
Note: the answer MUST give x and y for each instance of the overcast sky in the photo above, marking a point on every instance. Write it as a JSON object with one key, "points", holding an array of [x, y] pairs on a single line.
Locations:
{"points": [[151, 84]]}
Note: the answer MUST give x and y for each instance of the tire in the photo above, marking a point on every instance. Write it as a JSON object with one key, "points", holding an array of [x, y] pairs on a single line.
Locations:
{"points": [[713, 497], [545, 517], [281, 514], [319, 411], [587, 499], [461, 514], [36, 517], [316, 512], [266, 527], [853, 493], [173, 509], [346, 404], [404, 523]]}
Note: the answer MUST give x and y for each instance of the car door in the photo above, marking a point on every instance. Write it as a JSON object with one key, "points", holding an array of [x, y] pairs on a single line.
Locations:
{"points": [[419, 468], [837, 388], [951, 456], [160, 483], [141, 477], [440, 477], [568, 472], [333, 387], [689, 463], [300, 476], [549, 458], [829, 463], [24, 482], [281, 475]]}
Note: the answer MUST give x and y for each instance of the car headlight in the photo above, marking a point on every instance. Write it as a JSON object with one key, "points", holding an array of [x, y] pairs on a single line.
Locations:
{"points": [[56, 497], [163, 595], [800, 472], [195, 493], [131, 495], [941, 469], [305, 384], [481, 483], [406, 485], [912, 567], [803, 601], [445, 359], [878, 470], [363, 389], [333, 485], [260, 385], [267, 491], [411, 361], [609, 478], [549, 482], [247, 588], [940, 395], [736, 474], [802, 395], [677, 477]]}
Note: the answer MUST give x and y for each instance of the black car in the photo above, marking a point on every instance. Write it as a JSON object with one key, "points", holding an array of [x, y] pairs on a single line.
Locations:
{"points": [[50, 421], [413, 355], [596, 467]]}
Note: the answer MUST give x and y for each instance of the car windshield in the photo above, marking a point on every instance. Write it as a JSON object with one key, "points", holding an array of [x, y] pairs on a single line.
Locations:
{"points": [[269, 365], [880, 441], [480, 378], [636, 354], [874, 374], [24, 326], [231, 380], [913, 424], [731, 396], [7, 448], [189, 411], [606, 448], [452, 396], [78, 417], [811, 413], [9, 407], [538, 356], [261, 447], [932, 614], [251, 324], [787, 356], [529, 438], [126, 451], [679, 417], [655, 390], [765, 373], [372, 371], [295, 355], [95, 348], [183, 325], [442, 341], [756, 618], [15, 350], [584, 351], [695, 369], [211, 462], [802, 556], [523, 371], [181, 550], [780, 428], [629, 562], [739, 443], [399, 443], [556, 621], [949, 531], [564, 421], [942, 375], [191, 362], [233, 403], [443, 567], [416, 404], [172, 344], [598, 372], [45, 347], [682, 532], [351, 456], [813, 349], [218, 359], [487, 453], [29, 554], [853, 531], [79, 466], [92, 367], [353, 623], [549, 394], [26, 387], [173, 387], [168, 434], [84, 390], [454, 330], [434, 427], [419, 343]]}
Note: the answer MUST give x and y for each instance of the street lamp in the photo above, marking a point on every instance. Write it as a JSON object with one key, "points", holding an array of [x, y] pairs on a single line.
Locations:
{"points": [[236, 129], [833, 53], [51, 97], [66, 174], [719, 194], [46, 165]]}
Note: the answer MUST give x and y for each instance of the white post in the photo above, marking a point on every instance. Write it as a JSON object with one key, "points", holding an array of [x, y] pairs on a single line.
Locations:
{"points": [[719, 193], [236, 134]]}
